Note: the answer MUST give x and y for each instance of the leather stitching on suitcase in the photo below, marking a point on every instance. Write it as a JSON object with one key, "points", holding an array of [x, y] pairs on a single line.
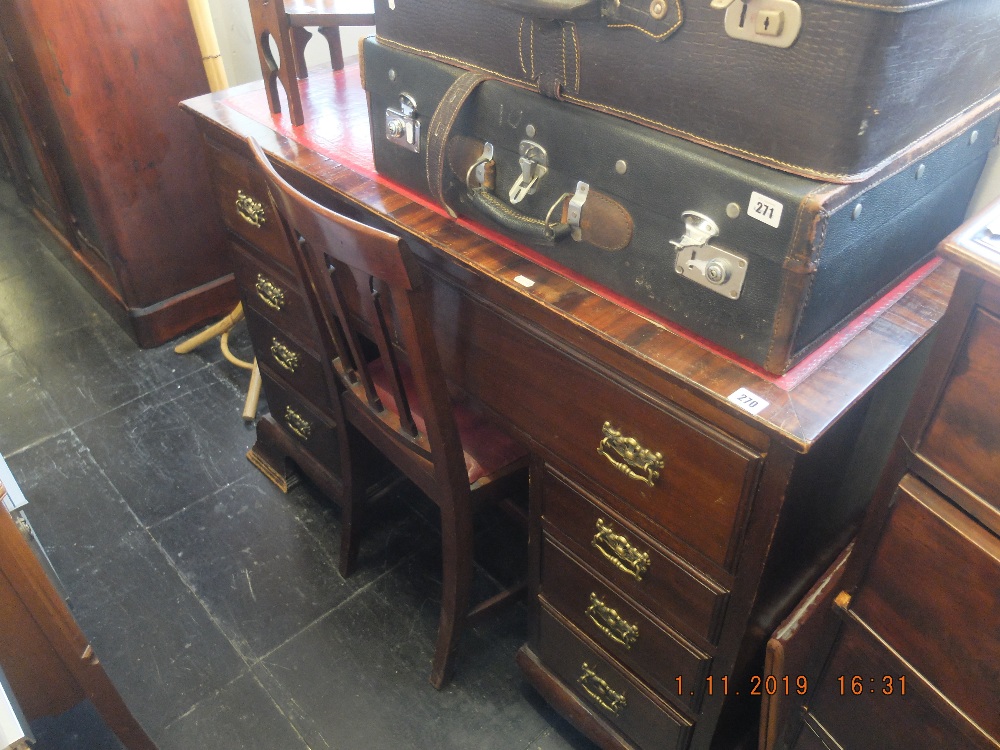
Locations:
{"points": [[890, 8], [520, 46], [656, 124], [576, 54], [668, 32]]}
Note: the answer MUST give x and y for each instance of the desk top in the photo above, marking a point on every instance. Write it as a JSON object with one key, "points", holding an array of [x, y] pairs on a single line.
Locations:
{"points": [[333, 148]]}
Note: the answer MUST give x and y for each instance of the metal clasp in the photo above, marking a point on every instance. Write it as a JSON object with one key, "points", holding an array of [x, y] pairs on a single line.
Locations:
{"points": [[534, 163], [482, 170], [574, 211], [402, 126], [698, 230], [711, 267]]}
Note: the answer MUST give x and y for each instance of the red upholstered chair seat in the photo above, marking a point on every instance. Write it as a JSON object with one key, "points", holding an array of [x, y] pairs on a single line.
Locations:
{"points": [[487, 449]]}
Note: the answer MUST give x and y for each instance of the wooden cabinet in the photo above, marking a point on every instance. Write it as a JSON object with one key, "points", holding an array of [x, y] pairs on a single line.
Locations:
{"points": [[98, 147], [911, 658], [671, 531]]}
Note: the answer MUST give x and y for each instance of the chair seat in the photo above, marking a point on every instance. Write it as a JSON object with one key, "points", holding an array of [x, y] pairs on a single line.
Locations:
{"points": [[487, 449]]}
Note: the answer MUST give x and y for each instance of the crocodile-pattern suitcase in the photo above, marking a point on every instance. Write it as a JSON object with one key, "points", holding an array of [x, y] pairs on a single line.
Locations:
{"points": [[830, 89], [761, 262]]}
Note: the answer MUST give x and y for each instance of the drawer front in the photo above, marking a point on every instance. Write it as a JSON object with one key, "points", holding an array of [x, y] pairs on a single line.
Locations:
{"points": [[246, 207], [961, 438], [662, 583], [932, 592], [667, 466], [296, 365], [315, 432], [621, 629], [274, 296], [615, 696], [867, 699]]}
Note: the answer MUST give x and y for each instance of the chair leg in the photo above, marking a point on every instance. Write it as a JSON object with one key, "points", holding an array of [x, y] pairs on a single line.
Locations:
{"points": [[332, 36], [456, 554], [350, 533]]}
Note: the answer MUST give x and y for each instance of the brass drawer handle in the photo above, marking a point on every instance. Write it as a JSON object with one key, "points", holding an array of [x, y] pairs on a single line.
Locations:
{"points": [[600, 691], [284, 356], [613, 625], [250, 210], [630, 458], [297, 424], [270, 293], [616, 549]]}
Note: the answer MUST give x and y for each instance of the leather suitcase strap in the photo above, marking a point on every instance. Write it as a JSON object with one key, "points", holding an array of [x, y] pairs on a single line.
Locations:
{"points": [[440, 128]]}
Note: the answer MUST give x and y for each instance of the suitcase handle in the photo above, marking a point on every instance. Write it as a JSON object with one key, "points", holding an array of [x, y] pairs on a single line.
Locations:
{"points": [[553, 10], [515, 221]]}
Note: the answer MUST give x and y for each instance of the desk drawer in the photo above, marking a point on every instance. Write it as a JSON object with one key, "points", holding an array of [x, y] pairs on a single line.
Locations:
{"points": [[274, 296], [625, 632], [296, 365], [961, 437], [869, 699], [670, 589], [245, 204], [703, 490], [314, 431], [932, 592], [615, 695]]}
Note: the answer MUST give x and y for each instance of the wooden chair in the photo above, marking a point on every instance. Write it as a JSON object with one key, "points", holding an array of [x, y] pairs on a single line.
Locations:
{"points": [[375, 319], [285, 23]]}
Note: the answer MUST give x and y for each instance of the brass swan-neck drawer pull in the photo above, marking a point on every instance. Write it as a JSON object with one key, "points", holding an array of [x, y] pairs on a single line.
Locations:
{"points": [[617, 550], [250, 210], [297, 423], [607, 698], [609, 622], [270, 293], [285, 357], [630, 458]]}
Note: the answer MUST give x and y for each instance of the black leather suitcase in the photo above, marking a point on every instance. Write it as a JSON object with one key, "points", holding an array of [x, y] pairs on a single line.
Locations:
{"points": [[764, 263], [830, 89]]}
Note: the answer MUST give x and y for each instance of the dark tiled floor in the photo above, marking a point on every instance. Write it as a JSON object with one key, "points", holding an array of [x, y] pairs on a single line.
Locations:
{"points": [[213, 599]]}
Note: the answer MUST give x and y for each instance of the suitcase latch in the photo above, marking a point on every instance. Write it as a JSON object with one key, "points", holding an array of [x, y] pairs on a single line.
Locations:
{"points": [[402, 126], [712, 267], [574, 211], [534, 162]]}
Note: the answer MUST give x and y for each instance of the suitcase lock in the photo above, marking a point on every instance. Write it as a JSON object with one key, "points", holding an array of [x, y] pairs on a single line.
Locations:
{"points": [[534, 163], [712, 267], [402, 126]]}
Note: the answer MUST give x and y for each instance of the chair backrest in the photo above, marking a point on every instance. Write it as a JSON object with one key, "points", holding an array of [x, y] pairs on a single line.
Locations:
{"points": [[367, 289]]}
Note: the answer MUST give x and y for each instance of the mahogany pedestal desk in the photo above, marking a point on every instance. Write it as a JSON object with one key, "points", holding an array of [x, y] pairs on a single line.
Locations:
{"points": [[656, 577]]}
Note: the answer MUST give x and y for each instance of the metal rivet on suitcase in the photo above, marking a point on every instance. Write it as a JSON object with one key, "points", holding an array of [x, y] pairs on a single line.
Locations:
{"points": [[920, 170], [658, 9], [973, 137], [856, 212], [392, 74], [621, 166], [733, 210], [529, 131]]}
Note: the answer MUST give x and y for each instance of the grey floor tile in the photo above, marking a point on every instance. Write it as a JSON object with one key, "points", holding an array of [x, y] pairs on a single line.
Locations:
{"points": [[172, 446], [92, 370], [241, 716], [256, 567], [359, 677], [43, 302], [27, 413], [79, 728], [75, 511], [156, 641]]}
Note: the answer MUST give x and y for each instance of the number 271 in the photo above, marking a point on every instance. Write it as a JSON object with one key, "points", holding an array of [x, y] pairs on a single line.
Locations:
{"points": [[764, 210]]}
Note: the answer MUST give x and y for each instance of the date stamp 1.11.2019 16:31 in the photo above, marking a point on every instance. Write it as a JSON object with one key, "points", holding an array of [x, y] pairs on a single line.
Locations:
{"points": [[847, 685]]}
